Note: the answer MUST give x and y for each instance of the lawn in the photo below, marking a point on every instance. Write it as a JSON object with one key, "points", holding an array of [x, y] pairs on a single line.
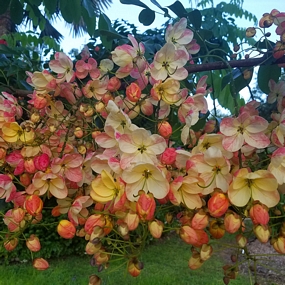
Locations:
{"points": [[165, 263]]}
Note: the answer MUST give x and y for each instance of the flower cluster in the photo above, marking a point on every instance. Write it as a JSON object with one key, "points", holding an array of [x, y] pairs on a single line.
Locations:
{"points": [[111, 145]]}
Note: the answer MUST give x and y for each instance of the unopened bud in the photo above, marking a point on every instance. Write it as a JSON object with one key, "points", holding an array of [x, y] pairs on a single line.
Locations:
{"points": [[236, 48], [250, 32]]}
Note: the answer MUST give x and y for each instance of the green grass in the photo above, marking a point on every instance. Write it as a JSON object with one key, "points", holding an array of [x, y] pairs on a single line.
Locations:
{"points": [[165, 263]]}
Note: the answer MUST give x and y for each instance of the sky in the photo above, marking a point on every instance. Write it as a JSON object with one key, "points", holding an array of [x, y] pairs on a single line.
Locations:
{"points": [[131, 12]]}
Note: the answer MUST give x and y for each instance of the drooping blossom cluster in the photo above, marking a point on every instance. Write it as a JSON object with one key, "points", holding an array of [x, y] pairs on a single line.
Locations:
{"points": [[106, 154]]}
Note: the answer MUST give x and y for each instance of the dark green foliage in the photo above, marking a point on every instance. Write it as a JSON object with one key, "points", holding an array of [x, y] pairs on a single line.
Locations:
{"points": [[52, 245]]}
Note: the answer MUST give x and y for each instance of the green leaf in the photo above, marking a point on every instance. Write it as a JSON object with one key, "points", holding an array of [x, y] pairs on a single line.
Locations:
{"points": [[111, 35], [4, 6], [239, 81], [89, 8], [160, 7], [134, 2], [195, 17], [36, 2], [265, 73], [16, 12], [70, 10], [50, 6], [178, 9], [104, 23], [7, 50], [89, 21], [146, 17]]}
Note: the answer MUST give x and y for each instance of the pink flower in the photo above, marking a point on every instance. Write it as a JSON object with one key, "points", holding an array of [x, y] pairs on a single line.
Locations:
{"points": [[63, 66], [129, 58], [169, 62], [244, 128], [7, 188], [84, 68], [69, 166]]}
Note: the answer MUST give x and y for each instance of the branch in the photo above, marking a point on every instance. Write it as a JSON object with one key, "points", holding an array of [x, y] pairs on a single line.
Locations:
{"points": [[191, 69], [17, 92], [233, 63]]}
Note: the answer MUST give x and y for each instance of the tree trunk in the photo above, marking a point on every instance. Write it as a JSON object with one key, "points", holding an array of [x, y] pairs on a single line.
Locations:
{"points": [[6, 24]]}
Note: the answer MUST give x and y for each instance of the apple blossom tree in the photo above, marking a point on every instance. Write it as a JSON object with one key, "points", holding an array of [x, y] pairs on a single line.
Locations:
{"points": [[121, 145]]}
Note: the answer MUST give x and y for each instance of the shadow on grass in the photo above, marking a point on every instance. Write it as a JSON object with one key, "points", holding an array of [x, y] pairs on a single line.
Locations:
{"points": [[165, 263]]}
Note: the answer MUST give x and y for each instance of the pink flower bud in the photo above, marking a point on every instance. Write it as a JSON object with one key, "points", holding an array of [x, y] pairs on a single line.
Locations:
{"points": [[114, 84], [168, 157], [18, 215], [66, 229], [26, 179], [259, 214], [40, 264], [200, 220], [133, 92], [92, 221], [42, 162], [145, 207], [11, 244], [232, 222], [165, 129], [132, 220], [194, 237], [218, 204], [33, 204], [33, 243]]}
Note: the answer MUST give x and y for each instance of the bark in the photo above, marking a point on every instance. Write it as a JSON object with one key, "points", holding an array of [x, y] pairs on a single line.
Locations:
{"points": [[6, 24]]}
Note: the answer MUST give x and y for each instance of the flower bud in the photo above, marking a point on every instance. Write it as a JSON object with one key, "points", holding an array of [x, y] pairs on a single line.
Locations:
{"points": [[279, 244], [40, 264], [94, 280], [200, 220], [78, 132], [92, 221], [92, 248], [168, 157], [101, 257], [123, 229], [241, 240], [145, 207], [33, 243], [155, 227], [133, 92], [164, 129], [132, 220], [259, 214], [194, 237], [11, 244], [195, 261], [114, 84], [218, 204], [26, 179], [217, 229], [18, 214], [206, 252], [232, 222], [135, 267], [66, 229], [250, 32], [33, 204], [262, 233]]}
